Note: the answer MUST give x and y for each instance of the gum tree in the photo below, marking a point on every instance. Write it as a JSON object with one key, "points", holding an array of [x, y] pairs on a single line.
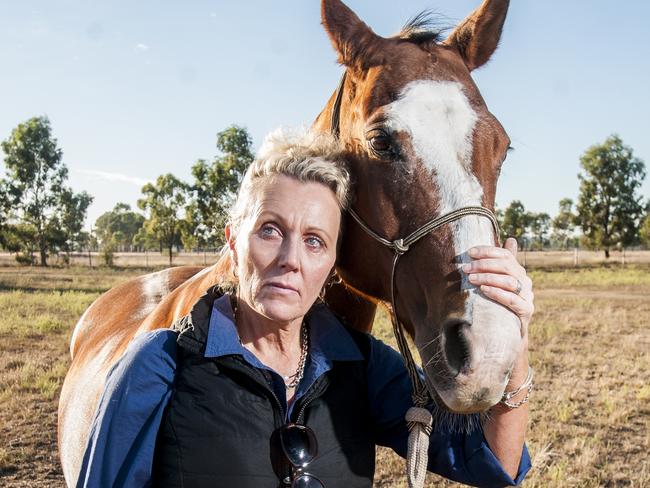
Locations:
{"points": [[609, 207]]}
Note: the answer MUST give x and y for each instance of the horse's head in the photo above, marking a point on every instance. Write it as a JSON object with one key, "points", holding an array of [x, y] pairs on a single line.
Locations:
{"points": [[422, 143]]}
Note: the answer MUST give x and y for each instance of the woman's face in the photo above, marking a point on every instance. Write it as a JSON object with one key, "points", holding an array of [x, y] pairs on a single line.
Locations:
{"points": [[286, 248]]}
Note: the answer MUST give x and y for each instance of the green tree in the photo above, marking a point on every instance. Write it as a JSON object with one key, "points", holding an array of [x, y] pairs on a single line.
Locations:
{"points": [[164, 202], [644, 228], [515, 221], [644, 231], [564, 224], [216, 183], [4, 215], [73, 208], [146, 239], [609, 209], [190, 232], [540, 225], [499, 214], [35, 180], [119, 225], [20, 239], [35, 189]]}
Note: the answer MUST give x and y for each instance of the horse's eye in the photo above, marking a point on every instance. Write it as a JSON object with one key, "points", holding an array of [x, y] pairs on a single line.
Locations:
{"points": [[379, 142]]}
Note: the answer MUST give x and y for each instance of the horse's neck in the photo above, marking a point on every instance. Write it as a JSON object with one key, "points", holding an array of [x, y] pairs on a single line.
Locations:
{"points": [[180, 301]]}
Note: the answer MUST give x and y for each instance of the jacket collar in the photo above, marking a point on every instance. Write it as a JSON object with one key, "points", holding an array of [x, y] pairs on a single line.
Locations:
{"points": [[329, 338]]}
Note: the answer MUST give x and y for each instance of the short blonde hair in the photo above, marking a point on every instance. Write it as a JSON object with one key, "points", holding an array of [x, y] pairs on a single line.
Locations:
{"points": [[307, 156]]}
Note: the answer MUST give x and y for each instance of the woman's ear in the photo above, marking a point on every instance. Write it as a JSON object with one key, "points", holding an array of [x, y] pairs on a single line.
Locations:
{"points": [[230, 238]]}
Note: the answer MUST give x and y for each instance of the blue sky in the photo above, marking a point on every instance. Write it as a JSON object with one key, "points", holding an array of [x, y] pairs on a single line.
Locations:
{"points": [[137, 89]]}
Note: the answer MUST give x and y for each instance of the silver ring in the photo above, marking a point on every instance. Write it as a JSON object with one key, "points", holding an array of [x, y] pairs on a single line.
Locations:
{"points": [[518, 289]]}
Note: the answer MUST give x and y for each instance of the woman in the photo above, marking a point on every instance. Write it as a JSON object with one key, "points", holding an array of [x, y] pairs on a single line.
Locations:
{"points": [[261, 385]]}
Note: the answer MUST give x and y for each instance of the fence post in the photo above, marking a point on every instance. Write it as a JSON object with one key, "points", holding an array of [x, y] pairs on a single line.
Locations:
{"points": [[575, 257]]}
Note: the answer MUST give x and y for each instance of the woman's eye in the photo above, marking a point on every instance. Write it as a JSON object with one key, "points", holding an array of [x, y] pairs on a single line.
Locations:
{"points": [[269, 231], [314, 242]]}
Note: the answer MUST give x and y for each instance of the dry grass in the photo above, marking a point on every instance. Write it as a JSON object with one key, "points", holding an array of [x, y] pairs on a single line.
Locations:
{"points": [[39, 309], [590, 344]]}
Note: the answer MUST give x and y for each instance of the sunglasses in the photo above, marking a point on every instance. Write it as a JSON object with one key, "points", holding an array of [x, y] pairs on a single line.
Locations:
{"points": [[293, 448]]}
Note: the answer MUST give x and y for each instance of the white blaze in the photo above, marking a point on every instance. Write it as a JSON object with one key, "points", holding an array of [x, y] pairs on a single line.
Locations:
{"points": [[440, 120]]}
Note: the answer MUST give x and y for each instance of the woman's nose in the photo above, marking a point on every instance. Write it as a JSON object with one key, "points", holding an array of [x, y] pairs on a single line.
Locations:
{"points": [[289, 254]]}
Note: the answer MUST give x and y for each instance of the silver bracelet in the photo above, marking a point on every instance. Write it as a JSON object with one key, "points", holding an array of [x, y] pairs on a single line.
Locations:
{"points": [[528, 383]]}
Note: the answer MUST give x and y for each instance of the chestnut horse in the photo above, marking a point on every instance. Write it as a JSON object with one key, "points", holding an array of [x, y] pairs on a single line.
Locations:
{"points": [[421, 143]]}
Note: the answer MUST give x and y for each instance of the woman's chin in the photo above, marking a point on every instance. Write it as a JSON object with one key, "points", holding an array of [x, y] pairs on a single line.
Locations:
{"points": [[280, 309]]}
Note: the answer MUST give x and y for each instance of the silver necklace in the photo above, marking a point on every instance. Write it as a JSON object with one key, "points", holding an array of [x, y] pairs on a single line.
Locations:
{"points": [[292, 380]]}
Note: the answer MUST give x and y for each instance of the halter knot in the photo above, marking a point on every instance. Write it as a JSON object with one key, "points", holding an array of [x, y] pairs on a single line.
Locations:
{"points": [[419, 416], [400, 247]]}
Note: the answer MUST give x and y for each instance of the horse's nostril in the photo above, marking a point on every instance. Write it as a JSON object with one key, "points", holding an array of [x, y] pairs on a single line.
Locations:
{"points": [[457, 348]]}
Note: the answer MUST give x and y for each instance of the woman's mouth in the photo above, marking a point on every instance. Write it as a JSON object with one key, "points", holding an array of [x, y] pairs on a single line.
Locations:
{"points": [[281, 287]]}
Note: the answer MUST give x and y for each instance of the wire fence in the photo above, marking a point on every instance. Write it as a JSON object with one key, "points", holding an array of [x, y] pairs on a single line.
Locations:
{"points": [[155, 260]]}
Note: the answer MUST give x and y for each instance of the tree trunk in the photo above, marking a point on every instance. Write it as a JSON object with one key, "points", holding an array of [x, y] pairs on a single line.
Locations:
{"points": [[170, 256], [43, 257], [606, 253]]}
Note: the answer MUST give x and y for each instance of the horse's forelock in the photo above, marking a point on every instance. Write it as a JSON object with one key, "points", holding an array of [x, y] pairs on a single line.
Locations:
{"points": [[424, 27]]}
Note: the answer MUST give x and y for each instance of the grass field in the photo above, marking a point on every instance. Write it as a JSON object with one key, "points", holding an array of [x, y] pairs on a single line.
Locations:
{"points": [[590, 343]]}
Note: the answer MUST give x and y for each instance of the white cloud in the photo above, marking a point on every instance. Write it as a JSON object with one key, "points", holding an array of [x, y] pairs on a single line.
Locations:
{"points": [[109, 176], [142, 47]]}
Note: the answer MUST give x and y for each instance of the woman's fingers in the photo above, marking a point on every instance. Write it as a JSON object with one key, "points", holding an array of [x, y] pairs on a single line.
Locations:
{"points": [[496, 265], [511, 245], [501, 278], [482, 252], [522, 307], [508, 250], [514, 302], [508, 284], [505, 282]]}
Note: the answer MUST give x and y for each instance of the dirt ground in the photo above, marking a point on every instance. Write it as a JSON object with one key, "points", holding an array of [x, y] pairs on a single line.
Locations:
{"points": [[590, 347]]}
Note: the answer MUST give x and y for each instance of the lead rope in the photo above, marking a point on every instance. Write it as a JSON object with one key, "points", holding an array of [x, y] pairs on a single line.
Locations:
{"points": [[418, 418]]}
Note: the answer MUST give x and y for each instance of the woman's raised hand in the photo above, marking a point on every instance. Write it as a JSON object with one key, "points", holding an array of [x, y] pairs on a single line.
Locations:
{"points": [[501, 278]]}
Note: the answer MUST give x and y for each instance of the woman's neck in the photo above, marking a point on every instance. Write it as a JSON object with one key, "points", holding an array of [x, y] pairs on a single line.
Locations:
{"points": [[254, 328], [276, 344]]}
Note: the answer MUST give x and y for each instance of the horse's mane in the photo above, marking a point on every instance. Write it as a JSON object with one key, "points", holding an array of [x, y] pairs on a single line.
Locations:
{"points": [[426, 26]]}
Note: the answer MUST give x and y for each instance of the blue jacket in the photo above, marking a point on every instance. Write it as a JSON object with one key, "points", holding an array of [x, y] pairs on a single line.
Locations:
{"points": [[122, 438]]}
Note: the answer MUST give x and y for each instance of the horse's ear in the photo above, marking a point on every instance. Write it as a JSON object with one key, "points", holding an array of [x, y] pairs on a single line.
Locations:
{"points": [[357, 45], [477, 37]]}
